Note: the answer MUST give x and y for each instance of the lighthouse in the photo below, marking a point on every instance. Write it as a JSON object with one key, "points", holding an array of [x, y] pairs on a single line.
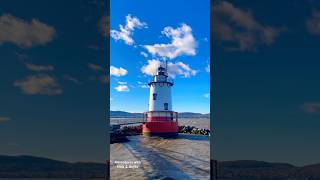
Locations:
{"points": [[160, 120]]}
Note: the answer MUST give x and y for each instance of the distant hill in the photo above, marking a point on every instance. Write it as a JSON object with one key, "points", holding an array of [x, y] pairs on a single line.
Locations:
{"points": [[36, 167], [123, 114], [193, 115], [245, 169]]}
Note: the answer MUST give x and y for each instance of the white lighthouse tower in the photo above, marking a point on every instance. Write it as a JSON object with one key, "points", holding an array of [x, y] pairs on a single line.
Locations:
{"points": [[160, 119]]}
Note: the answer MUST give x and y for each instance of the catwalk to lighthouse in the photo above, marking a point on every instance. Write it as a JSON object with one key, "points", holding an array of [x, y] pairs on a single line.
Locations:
{"points": [[160, 119]]}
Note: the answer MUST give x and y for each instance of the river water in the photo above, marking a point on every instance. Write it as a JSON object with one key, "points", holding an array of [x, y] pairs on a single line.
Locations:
{"points": [[185, 157]]}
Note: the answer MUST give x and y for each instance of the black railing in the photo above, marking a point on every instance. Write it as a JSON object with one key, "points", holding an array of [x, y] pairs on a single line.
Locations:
{"points": [[171, 115]]}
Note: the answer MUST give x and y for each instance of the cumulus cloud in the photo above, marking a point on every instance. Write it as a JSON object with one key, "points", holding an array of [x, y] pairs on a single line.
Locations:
{"points": [[144, 54], [174, 69], [207, 68], [240, 28], [38, 68], [151, 67], [24, 34], [125, 33], [122, 88], [182, 43], [142, 85], [311, 107], [118, 71], [313, 23], [39, 84], [4, 119], [120, 82], [180, 68]]}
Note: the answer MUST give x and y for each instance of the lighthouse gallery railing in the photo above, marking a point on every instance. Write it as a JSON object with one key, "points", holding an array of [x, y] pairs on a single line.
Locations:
{"points": [[158, 116], [168, 80]]}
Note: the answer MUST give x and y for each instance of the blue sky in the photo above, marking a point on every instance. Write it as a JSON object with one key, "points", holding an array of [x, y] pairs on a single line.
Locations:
{"points": [[188, 62]]}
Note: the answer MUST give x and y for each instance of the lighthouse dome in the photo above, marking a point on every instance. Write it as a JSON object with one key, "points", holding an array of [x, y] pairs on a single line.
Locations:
{"points": [[162, 71]]}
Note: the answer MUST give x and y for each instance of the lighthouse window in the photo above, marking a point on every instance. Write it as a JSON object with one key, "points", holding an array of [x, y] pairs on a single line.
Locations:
{"points": [[165, 106], [154, 96]]}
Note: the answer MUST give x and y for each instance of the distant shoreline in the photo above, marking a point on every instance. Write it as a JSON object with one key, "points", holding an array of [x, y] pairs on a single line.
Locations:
{"points": [[124, 114]]}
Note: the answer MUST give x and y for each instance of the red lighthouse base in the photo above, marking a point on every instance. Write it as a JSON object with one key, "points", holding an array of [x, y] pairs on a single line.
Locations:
{"points": [[161, 123]]}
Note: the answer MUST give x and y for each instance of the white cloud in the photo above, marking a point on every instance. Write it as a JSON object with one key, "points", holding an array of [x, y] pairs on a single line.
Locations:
{"points": [[126, 31], [151, 67], [144, 54], [39, 84], [182, 43], [207, 68], [174, 69], [122, 88], [207, 95], [118, 71], [38, 68], [142, 85], [24, 34], [120, 82], [180, 68]]}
